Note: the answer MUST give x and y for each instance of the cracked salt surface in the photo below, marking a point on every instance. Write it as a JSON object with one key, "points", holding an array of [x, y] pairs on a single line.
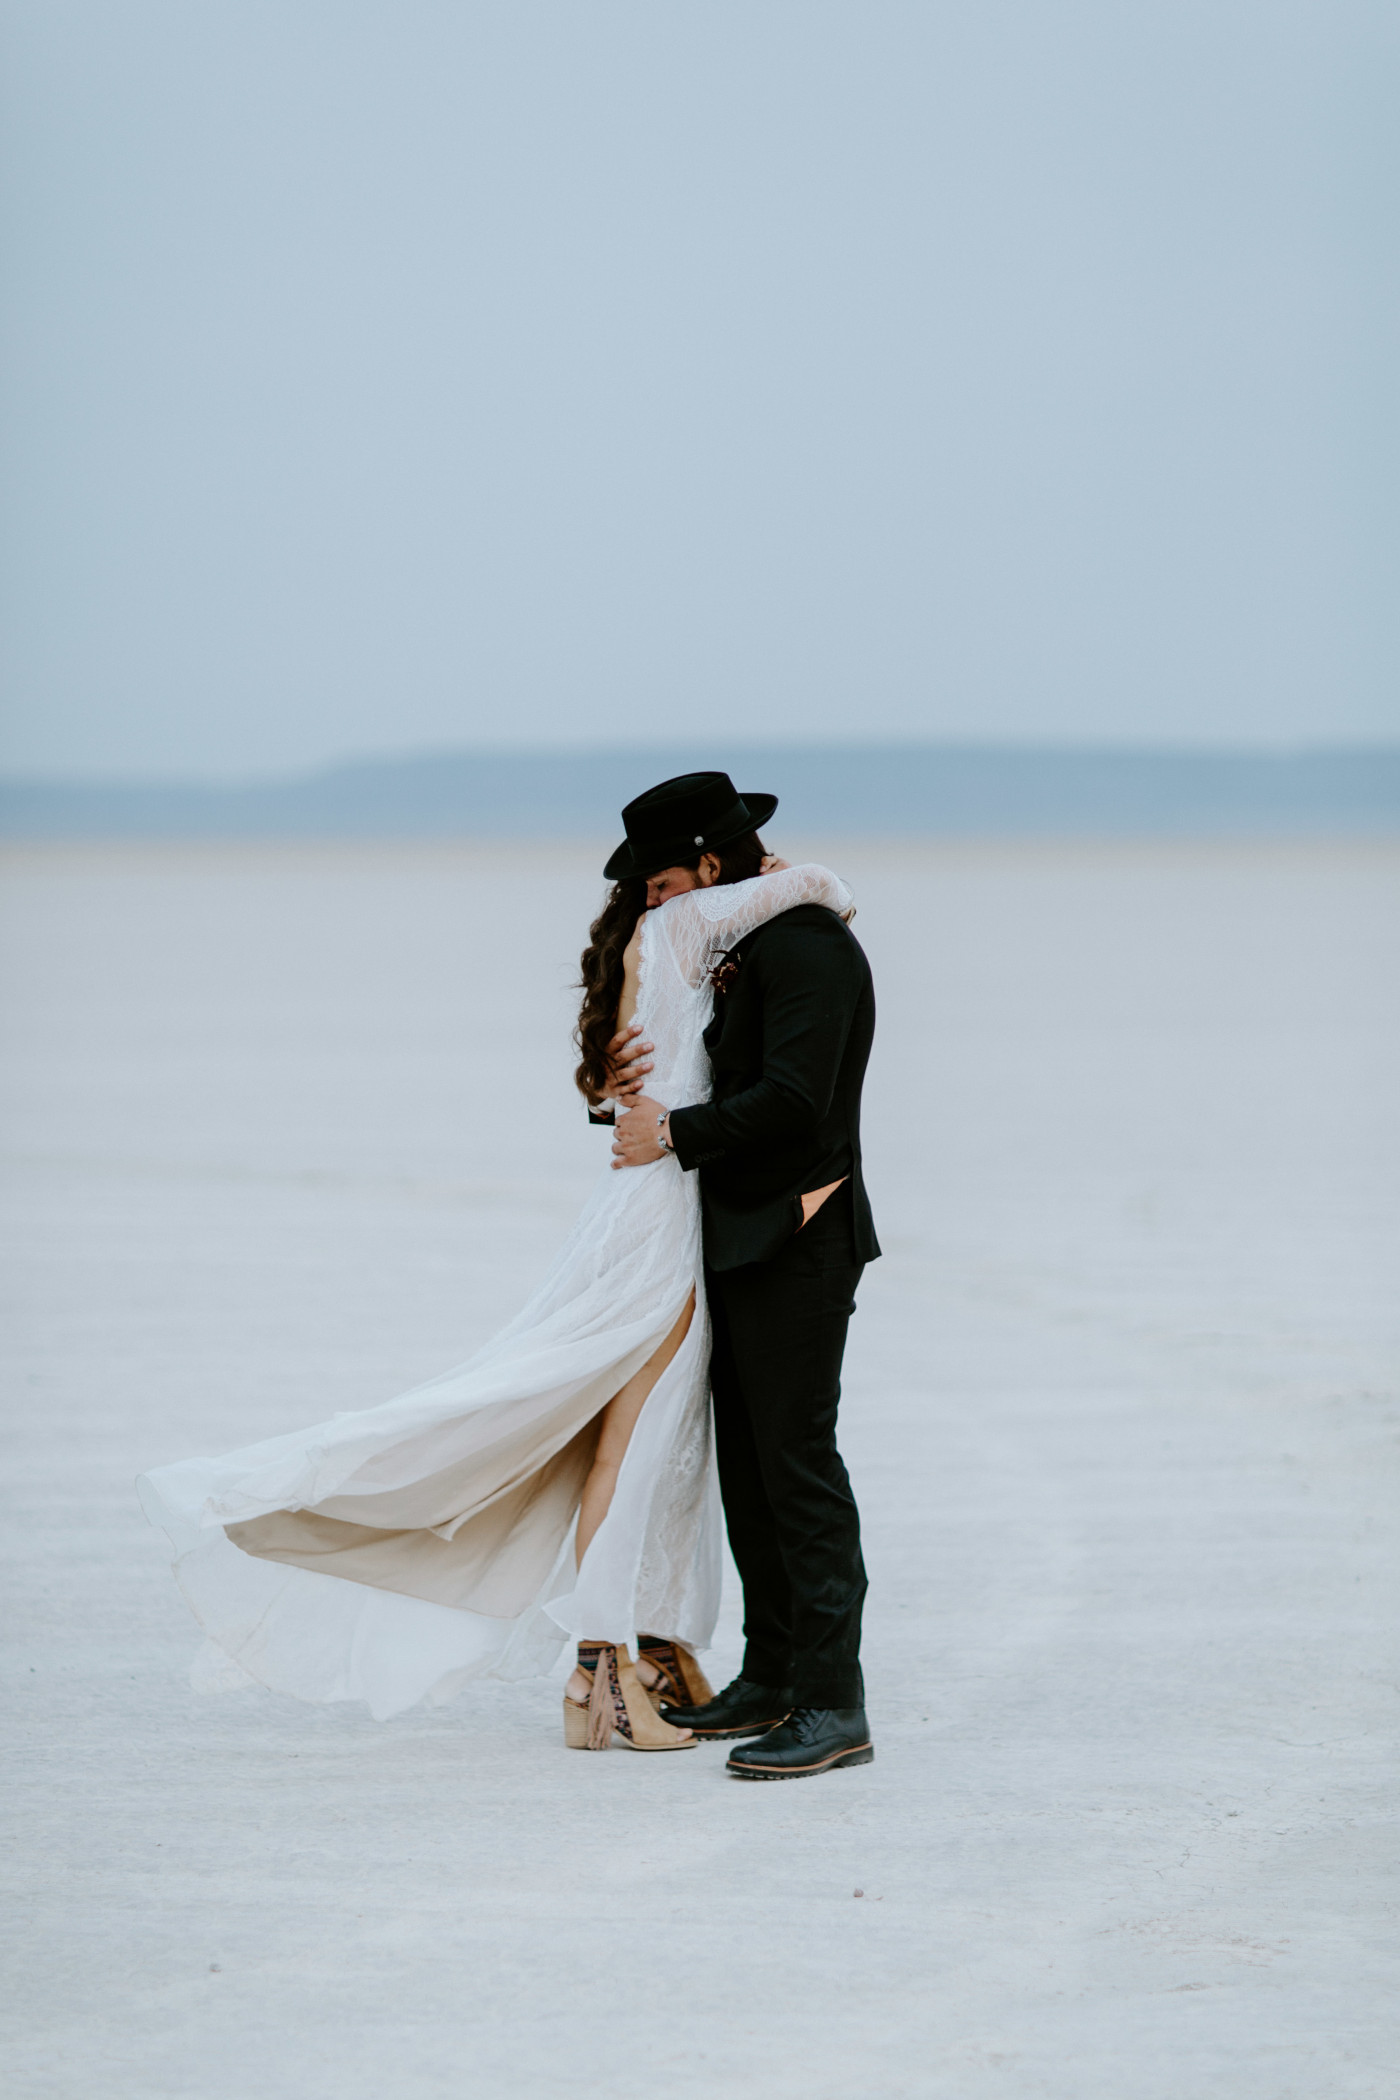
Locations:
{"points": [[290, 1130]]}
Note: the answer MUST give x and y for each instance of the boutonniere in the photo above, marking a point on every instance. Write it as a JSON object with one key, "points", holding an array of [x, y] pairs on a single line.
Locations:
{"points": [[724, 971]]}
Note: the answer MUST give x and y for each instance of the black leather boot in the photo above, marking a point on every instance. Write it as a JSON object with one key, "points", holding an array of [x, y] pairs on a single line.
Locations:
{"points": [[811, 1739], [742, 1708]]}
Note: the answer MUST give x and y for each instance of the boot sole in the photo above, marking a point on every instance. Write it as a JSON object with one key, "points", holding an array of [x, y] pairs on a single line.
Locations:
{"points": [[728, 1735], [864, 1754]]}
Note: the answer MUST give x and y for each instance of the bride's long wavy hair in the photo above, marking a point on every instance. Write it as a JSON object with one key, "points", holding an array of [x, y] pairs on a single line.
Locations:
{"points": [[600, 965]]}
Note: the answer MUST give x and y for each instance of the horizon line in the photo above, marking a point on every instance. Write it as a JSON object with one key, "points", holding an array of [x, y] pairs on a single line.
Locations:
{"points": [[631, 752]]}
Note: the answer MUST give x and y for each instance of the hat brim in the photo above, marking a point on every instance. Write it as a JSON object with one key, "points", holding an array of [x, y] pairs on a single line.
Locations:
{"points": [[627, 863]]}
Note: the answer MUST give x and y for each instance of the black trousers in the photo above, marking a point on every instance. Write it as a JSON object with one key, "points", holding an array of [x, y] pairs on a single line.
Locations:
{"points": [[779, 1336]]}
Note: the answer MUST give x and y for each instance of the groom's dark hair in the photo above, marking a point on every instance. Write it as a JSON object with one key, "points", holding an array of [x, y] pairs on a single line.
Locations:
{"points": [[738, 858]]}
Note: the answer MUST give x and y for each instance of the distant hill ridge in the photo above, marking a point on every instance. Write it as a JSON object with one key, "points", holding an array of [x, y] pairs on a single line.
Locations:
{"points": [[911, 790]]}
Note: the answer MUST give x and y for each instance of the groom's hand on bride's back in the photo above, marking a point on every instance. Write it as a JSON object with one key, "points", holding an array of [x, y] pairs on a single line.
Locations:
{"points": [[629, 1061]]}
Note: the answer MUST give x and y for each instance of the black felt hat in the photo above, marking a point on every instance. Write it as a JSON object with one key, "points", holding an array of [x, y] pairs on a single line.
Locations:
{"points": [[694, 813]]}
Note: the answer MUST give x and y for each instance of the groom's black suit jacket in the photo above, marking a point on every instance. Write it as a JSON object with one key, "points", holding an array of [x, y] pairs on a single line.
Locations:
{"points": [[788, 1045]]}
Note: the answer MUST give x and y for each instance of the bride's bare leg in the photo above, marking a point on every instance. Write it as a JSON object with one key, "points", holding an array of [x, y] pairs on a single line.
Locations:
{"points": [[619, 1420]]}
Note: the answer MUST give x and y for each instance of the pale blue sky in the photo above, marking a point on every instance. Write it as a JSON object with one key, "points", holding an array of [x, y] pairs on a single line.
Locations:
{"points": [[427, 372]]}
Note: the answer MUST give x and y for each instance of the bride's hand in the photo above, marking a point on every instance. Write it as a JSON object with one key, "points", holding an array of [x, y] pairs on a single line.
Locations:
{"points": [[771, 865]]}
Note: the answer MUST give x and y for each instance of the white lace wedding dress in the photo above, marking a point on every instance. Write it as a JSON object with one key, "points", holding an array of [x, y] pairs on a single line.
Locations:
{"points": [[390, 1555]]}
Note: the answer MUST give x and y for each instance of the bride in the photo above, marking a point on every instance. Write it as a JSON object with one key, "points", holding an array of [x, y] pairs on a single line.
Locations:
{"points": [[561, 1481]]}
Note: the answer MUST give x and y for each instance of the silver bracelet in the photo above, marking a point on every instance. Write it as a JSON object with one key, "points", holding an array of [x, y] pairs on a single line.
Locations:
{"points": [[664, 1142]]}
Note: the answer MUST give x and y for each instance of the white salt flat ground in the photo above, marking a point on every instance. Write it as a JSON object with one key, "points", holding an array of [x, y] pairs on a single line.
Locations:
{"points": [[289, 1130]]}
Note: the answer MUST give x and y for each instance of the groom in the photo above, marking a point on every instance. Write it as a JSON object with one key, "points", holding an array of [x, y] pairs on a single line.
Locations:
{"points": [[787, 1231]]}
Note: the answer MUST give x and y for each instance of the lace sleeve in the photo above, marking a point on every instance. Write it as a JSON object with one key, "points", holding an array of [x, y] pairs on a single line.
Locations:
{"points": [[700, 923]]}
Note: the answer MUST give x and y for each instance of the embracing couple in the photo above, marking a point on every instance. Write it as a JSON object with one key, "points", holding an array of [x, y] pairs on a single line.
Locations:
{"points": [[688, 1338]]}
